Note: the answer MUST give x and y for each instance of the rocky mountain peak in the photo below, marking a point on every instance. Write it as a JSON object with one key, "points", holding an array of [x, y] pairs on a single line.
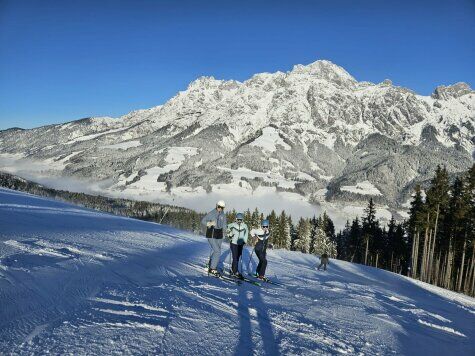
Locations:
{"points": [[309, 131], [452, 91], [206, 82], [324, 69]]}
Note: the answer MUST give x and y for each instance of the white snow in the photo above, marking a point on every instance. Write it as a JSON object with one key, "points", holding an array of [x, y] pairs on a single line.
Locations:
{"points": [[92, 136], [124, 145], [150, 296], [269, 177], [305, 176], [364, 188], [179, 154], [175, 156], [269, 140]]}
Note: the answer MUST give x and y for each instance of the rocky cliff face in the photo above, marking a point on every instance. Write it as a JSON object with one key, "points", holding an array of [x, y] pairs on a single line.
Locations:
{"points": [[314, 130]]}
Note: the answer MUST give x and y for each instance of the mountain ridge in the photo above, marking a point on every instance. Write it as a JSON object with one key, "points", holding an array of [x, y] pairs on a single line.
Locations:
{"points": [[306, 130]]}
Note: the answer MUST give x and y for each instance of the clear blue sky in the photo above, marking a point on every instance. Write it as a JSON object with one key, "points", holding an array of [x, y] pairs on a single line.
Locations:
{"points": [[64, 60]]}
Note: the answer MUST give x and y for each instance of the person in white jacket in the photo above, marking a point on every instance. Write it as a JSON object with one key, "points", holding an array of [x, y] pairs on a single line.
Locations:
{"points": [[238, 233], [262, 234]]}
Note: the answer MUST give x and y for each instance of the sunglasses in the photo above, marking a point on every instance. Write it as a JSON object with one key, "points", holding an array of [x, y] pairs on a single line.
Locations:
{"points": [[239, 220], [265, 227]]}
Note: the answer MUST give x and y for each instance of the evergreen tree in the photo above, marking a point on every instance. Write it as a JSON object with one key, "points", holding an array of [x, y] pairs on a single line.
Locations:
{"points": [[273, 220], [328, 226], [282, 235], [255, 218], [231, 216], [416, 220], [342, 240], [370, 230], [303, 232], [313, 232], [292, 233], [323, 244], [355, 243], [437, 201], [248, 218]]}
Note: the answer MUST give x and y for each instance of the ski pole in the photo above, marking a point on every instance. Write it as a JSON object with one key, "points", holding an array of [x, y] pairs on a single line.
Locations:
{"points": [[229, 259], [240, 262]]}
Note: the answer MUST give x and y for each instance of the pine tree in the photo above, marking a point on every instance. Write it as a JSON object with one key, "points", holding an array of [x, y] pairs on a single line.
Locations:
{"points": [[416, 221], [356, 248], [303, 232], [342, 240], [273, 220], [292, 233], [313, 232], [370, 229], [231, 216], [248, 219], [323, 244], [282, 235], [467, 272], [255, 218], [328, 226]]}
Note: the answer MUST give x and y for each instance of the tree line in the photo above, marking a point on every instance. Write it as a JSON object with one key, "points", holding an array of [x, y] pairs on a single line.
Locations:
{"points": [[315, 235], [436, 244]]}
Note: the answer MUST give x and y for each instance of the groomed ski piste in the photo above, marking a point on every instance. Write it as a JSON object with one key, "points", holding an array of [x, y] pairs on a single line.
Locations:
{"points": [[77, 281]]}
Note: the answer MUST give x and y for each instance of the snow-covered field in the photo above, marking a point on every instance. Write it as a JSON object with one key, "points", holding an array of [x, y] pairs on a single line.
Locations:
{"points": [[77, 281]]}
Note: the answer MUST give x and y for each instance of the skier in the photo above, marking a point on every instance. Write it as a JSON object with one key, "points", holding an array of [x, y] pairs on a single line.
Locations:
{"points": [[214, 224], [262, 234], [323, 261], [238, 233]]}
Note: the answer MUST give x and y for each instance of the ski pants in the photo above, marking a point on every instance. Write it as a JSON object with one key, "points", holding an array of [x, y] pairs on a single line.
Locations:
{"points": [[260, 250], [216, 252], [237, 253], [324, 264]]}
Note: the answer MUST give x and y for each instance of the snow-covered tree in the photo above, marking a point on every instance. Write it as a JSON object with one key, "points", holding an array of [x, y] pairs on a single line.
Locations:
{"points": [[303, 232], [323, 244], [281, 235]]}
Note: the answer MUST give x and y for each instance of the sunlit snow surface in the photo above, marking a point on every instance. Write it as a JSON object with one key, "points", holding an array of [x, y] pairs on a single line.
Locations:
{"points": [[77, 281], [365, 188]]}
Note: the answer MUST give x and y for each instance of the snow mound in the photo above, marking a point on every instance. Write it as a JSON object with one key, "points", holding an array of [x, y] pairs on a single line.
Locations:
{"points": [[78, 281]]}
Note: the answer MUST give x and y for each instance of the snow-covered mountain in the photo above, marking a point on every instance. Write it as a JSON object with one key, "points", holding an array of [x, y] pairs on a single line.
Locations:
{"points": [[313, 130], [76, 281]]}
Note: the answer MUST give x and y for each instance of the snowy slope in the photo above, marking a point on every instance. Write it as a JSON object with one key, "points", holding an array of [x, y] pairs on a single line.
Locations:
{"points": [[77, 281]]}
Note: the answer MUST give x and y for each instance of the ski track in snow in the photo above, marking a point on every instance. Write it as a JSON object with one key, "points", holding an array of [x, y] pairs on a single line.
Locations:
{"points": [[77, 281]]}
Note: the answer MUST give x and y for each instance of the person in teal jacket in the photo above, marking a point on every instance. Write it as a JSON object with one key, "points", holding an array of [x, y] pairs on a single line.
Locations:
{"points": [[238, 233]]}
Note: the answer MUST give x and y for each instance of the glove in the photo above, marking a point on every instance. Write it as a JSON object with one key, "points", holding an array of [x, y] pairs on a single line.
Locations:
{"points": [[210, 223]]}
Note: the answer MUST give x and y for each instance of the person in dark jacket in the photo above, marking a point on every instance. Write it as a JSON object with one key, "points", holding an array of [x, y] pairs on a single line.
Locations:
{"points": [[262, 234], [214, 224], [323, 261]]}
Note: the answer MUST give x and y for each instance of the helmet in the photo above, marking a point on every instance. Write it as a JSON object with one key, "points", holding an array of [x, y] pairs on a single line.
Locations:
{"points": [[221, 204], [239, 216], [265, 223]]}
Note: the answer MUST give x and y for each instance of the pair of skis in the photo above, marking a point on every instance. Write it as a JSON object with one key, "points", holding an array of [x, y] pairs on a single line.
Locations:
{"points": [[266, 280], [228, 277], [244, 279]]}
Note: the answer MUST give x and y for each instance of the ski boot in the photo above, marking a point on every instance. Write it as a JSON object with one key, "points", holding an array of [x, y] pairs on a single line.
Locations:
{"points": [[236, 275], [214, 272], [262, 278]]}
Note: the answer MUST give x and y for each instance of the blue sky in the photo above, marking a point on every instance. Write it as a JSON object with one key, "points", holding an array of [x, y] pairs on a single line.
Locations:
{"points": [[65, 60]]}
